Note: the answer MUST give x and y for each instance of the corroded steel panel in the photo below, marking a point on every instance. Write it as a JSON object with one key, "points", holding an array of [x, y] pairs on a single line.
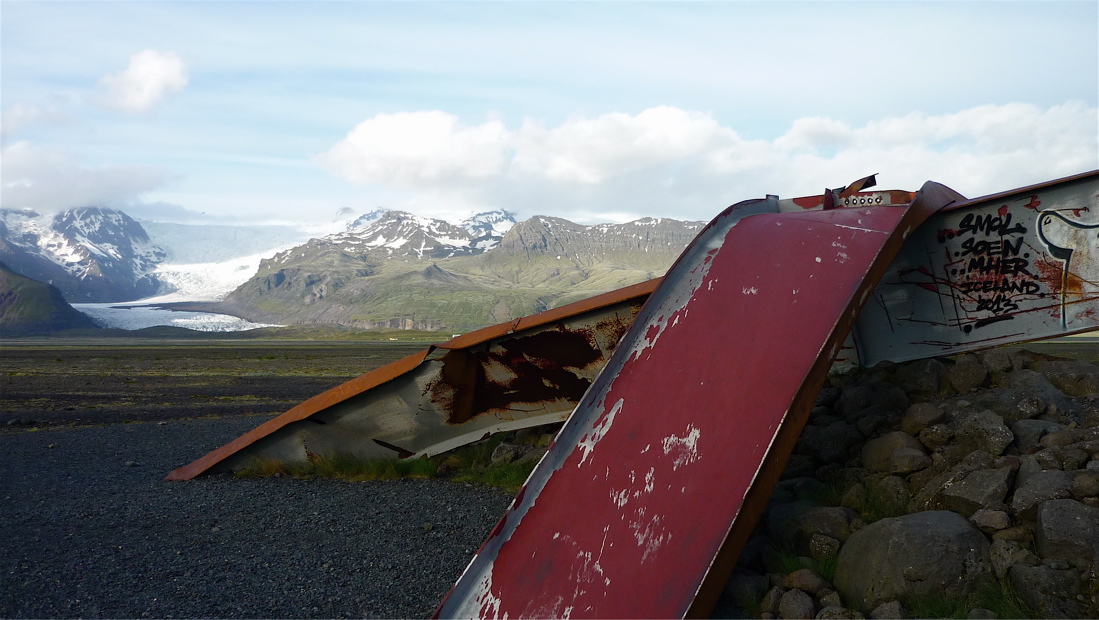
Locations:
{"points": [[1015, 266], [650, 489], [522, 373]]}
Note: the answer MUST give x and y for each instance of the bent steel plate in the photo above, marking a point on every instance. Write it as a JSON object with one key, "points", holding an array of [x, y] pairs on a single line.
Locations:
{"points": [[644, 501], [518, 374], [1015, 266]]}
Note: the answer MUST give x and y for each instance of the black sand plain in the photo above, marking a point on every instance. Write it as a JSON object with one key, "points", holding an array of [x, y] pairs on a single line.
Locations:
{"points": [[90, 528]]}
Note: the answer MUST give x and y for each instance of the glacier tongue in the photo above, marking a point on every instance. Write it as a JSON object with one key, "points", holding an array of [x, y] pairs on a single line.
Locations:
{"points": [[132, 315]]}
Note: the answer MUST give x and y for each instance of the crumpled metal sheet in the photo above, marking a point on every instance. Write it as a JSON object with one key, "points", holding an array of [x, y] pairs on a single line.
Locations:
{"points": [[522, 373]]}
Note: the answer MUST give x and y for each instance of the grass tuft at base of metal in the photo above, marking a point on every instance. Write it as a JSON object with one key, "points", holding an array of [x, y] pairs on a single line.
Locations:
{"points": [[471, 463]]}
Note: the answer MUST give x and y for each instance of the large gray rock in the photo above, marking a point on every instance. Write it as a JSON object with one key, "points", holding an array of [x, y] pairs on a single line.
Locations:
{"points": [[986, 431], [922, 554], [990, 521], [1085, 483], [1012, 405], [889, 611], [854, 398], [1040, 487], [967, 374], [1068, 530], [980, 489], [795, 523], [745, 588], [796, 604], [508, 452], [889, 397], [919, 417], [1032, 385], [936, 436], [1006, 553], [829, 444], [1029, 432], [1049, 592], [928, 495], [878, 454], [922, 377], [806, 580], [908, 460], [836, 612], [996, 360], [1073, 377]]}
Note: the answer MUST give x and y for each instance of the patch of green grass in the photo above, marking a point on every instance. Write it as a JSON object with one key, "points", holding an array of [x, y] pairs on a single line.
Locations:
{"points": [[510, 476], [878, 503], [1001, 597], [787, 558], [937, 605], [789, 561], [344, 466], [997, 596], [472, 463]]}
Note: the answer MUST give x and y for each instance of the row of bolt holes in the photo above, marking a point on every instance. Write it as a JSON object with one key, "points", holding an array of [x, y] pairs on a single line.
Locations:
{"points": [[862, 201]]}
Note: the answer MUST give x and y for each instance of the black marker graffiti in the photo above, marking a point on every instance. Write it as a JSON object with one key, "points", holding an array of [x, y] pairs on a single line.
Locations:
{"points": [[989, 266]]}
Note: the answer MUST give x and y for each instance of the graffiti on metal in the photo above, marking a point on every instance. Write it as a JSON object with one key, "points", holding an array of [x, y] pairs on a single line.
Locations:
{"points": [[1007, 268]]}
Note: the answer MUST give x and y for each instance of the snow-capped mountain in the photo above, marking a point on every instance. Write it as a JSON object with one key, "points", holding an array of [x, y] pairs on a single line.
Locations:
{"points": [[91, 254], [404, 235], [493, 223], [366, 219]]}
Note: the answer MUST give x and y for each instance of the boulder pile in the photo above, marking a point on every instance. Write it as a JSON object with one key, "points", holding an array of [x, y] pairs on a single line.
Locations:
{"points": [[960, 487]]}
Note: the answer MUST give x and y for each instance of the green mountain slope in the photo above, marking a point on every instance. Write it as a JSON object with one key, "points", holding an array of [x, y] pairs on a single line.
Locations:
{"points": [[31, 307], [541, 263]]}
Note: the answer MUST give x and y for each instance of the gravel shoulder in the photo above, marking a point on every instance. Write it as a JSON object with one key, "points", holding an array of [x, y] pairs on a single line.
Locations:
{"points": [[85, 534]]}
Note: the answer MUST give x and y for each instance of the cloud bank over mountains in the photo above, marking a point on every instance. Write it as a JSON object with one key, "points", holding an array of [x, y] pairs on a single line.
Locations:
{"points": [[666, 158], [612, 167]]}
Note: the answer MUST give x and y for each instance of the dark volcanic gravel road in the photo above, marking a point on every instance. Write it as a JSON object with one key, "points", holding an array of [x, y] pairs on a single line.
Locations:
{"points": [[84, 534]]}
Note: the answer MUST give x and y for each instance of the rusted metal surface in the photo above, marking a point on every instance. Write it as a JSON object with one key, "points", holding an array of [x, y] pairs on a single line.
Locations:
{"points": [[648, 494], [1015, 266], [522, 373]]}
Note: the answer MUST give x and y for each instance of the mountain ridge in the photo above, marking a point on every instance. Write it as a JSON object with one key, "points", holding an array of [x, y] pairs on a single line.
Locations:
{"points": [[384, 269], [540, 263]]}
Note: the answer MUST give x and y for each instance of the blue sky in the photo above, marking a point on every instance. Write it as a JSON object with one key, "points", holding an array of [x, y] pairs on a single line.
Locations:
{"points": [[593, 111]]}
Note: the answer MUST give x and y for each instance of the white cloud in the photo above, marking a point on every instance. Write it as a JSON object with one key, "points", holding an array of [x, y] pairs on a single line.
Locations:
{"points": [[594, 150], [669, 161], [412, 148], [150, 76], [48, 180]]}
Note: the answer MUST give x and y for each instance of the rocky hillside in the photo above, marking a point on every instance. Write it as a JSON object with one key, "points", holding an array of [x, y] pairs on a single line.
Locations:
{"points": [[957, 488], [30, 307], [90, 254], [397, 270]]}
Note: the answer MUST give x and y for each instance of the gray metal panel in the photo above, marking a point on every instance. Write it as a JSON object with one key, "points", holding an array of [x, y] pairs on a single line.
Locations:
{"points": [[1015, 267]]}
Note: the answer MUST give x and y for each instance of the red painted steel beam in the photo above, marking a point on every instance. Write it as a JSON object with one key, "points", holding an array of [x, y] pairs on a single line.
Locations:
{"points": [[646, 498]]}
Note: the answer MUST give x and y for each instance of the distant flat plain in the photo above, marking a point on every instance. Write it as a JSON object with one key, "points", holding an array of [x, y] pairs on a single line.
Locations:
{"points": [[51, 382]]}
